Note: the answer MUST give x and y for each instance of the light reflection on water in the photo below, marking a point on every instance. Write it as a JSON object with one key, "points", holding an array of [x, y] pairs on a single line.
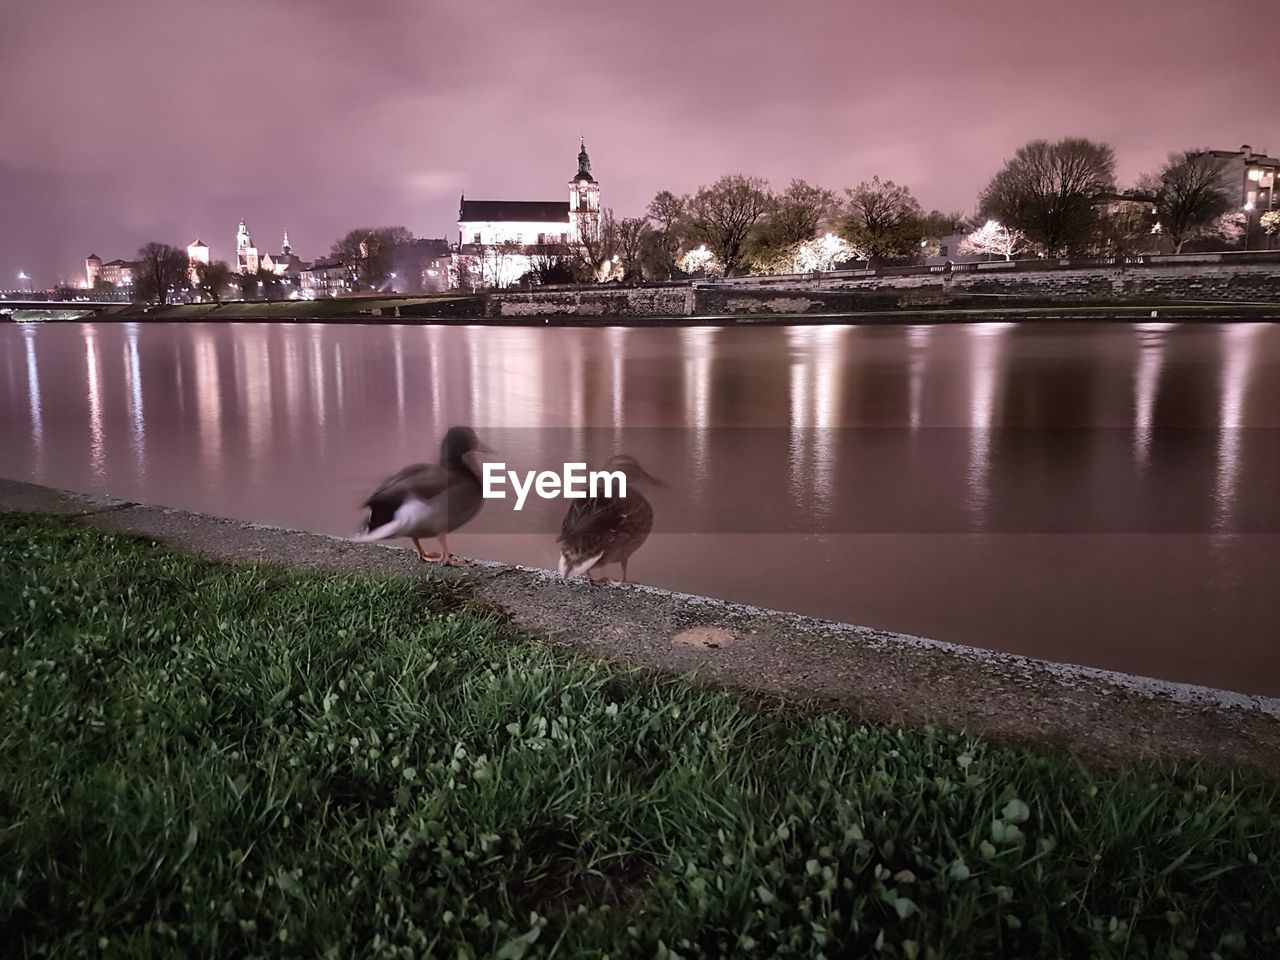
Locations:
{"points": [[910, 522]]}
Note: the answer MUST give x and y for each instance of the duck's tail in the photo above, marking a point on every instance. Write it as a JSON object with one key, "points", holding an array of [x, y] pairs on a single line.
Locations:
{"points": [[386, 522], [573, 566]]}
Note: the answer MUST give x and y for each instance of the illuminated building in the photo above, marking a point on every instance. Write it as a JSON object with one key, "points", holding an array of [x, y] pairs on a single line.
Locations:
{"points": [[197, 252], [324, 278], [285, 263], [118, 272], [510, 232], [92, 268], [1250, 177], [247, 260]]}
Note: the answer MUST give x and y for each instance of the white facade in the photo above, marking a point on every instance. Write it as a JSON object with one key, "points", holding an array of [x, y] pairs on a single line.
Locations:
{"points": [[247, 260], [487, 229], [524, 232]]}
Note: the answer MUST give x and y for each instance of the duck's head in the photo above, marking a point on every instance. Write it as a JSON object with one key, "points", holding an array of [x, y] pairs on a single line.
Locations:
{"points": [[629, 465], [459, 447]]}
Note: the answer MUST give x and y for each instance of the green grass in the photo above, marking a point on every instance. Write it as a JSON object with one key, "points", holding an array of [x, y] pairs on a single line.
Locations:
{"points": [[199, 759]]}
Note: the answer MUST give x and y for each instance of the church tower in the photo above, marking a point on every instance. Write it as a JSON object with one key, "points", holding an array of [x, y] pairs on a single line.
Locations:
{"points": [[284, 246], [584, 199], [246, 252]]}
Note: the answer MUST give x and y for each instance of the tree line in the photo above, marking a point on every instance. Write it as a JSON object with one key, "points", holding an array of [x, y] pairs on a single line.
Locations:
{"points": [[1049, 199]]}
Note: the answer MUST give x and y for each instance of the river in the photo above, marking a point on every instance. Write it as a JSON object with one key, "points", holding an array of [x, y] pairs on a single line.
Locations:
{"points": [[1101, 494]]}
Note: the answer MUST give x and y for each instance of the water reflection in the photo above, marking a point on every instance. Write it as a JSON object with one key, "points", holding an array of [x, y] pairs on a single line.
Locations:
{"points": [[1146, 386], [892, 442], [1236, 371], [137, 419], [984, 380], [208, 383], [34, 400], [93, 381], [917, 368], [698, 347]]}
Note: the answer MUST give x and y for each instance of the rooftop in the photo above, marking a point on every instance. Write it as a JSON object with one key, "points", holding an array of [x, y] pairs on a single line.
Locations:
{"points": [[514, 211]]}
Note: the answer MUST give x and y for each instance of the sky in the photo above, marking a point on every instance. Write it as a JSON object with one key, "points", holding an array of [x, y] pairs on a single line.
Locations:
{"points": [[129, 121]]}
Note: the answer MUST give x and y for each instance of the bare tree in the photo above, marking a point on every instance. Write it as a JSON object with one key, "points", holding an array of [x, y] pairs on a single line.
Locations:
{"points": [[597, 253], [883, 219], [551, 263], [212, 279], [464, 273], [993, 238], [722, 215], [161, 270], [367, 253], [666, 211], [1046, 191], [1190, 196], [632, 236], [797, 214], [493, 263]]}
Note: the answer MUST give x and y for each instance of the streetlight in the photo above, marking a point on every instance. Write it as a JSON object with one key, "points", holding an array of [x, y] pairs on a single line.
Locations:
{"points": [[1248, 221]]}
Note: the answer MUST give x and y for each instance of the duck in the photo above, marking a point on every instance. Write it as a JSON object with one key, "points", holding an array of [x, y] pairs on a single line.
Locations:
{"points": [[598, 531], [430, 500]]}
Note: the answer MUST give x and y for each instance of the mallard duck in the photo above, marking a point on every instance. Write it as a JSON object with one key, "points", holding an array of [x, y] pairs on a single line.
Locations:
{"points": [[429, 500], [601, 530]]}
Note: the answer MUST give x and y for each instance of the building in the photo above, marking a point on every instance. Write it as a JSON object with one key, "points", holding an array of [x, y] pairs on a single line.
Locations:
{"points": [[1249, 177], [118, 272], [92, 269], [247, 260], [1250, 180], [324, 278], [420, 266], [197, 253], [499, 239], [286, 263]]}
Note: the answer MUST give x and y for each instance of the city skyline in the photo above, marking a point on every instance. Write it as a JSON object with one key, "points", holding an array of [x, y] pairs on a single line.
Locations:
{"points": [[324, 135]]}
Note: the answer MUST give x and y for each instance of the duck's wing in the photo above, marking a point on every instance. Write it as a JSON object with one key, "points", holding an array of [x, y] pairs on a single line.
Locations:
{"points": [[397, 481], [589, 518], [407, 502]]}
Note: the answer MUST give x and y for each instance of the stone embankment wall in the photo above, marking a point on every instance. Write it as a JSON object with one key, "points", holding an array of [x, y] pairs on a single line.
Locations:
{"points": [[633, 302], [1111, 285]]}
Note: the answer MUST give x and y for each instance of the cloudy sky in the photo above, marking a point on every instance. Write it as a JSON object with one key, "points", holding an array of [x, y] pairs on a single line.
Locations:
{"points": [[135, 120]]}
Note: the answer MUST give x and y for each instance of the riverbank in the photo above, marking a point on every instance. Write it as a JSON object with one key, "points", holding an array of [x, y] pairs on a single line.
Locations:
{"points": [[872, 675], [352, 312], [247, 759]]}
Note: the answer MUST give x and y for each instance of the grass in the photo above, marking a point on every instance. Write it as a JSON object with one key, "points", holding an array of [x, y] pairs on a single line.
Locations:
{"points": [[199, 759]]}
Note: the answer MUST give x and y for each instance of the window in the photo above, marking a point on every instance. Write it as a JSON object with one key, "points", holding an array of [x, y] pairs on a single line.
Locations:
{"points": [[519, 238], [542, 238], [476, 237]]}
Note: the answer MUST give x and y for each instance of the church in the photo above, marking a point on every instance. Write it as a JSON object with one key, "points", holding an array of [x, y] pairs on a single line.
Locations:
{"points": [[501, 237], [249, 260]]}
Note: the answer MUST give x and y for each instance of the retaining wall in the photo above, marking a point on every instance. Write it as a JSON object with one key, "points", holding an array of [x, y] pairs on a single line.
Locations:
{"points": [[1111, 285]]}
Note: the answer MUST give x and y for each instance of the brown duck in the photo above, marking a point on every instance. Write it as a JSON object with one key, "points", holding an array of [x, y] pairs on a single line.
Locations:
{"points": [[598, 531], [430, 500]]}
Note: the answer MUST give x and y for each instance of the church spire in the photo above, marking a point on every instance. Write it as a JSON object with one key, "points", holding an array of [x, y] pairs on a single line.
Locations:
{"points": [[284, 245], [584, 162]]}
